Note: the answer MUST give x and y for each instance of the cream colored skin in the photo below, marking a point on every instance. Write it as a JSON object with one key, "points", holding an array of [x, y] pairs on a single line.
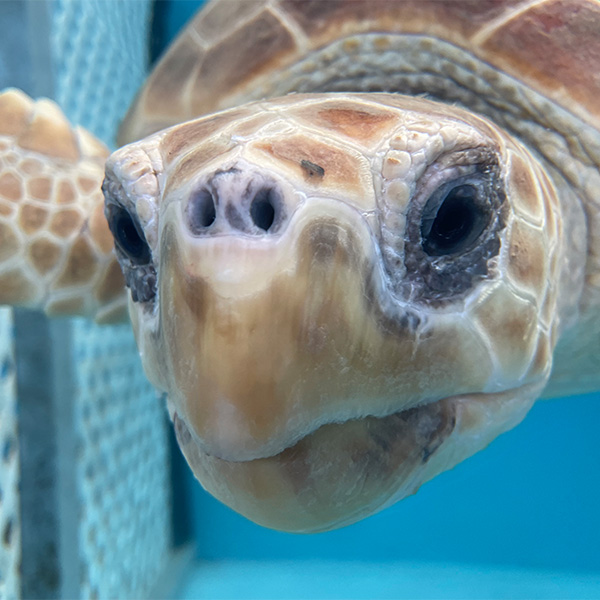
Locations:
{"points": [[313, 375], [276, 350]]}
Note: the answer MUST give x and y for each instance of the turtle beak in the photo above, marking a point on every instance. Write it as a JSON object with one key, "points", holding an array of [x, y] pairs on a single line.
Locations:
{"points": [[258, 328], [271, 332]]}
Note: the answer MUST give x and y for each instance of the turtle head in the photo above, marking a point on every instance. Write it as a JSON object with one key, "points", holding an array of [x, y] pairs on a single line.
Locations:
{"points": [[341, 296]]}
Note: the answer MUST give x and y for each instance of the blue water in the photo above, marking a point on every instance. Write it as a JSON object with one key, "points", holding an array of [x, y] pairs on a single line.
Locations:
{"points": [[518, 520], [531, 499]]}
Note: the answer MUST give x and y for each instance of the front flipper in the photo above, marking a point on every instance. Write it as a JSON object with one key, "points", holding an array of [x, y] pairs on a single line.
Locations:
{"points": [[56, 251]]}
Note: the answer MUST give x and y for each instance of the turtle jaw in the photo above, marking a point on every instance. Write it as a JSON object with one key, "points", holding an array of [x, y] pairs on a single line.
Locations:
{"points": [[343, 472]]}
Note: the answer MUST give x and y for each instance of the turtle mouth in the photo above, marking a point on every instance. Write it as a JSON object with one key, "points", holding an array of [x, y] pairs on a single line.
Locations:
{"points": [[428, 424], [342, 472], [424, 425]]}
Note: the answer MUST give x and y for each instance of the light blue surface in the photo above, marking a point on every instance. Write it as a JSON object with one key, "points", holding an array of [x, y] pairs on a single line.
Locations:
{"points": [[530, 500], [351, 580]]}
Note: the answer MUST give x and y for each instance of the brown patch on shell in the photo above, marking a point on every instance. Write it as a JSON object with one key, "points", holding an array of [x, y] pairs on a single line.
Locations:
{"points": [[322, 20], [32, 218], [555, 46], [44, 255], [175, 68], [40, 188], [262, 41], [219, 17], [11, 186], [80, 266], [9, 242], [66, 222]]}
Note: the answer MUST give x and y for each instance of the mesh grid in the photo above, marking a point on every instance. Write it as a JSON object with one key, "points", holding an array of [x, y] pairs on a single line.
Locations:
{"points": [[99, 51], [121, 467], [10, 542]]}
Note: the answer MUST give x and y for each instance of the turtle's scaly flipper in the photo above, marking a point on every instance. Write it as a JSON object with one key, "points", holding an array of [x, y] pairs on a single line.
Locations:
{"points": [[56, 251]]}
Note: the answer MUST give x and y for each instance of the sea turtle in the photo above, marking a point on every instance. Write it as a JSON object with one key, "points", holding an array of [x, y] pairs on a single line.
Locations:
{"points": [[343, 291]]}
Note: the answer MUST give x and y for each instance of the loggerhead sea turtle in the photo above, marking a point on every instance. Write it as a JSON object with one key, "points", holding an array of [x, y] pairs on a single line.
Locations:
{"points": [[342, 291]]}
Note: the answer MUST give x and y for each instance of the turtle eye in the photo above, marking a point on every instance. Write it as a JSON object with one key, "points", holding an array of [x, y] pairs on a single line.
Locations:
{"points": [[453, 219], [128, 236]]}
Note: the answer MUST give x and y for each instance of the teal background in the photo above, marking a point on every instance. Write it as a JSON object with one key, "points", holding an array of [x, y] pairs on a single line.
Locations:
{"points": [[529, 500]]}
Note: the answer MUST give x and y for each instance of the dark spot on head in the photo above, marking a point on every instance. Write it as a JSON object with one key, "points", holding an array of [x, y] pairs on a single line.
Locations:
{"points": [[312, 170]]}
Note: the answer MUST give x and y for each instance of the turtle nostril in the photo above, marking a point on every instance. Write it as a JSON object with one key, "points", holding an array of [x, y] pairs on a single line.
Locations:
{"points": [[201, 211], [262, 209]]}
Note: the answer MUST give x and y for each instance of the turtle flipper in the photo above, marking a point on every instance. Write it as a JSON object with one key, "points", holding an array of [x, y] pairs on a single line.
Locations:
{"points": [[56, 251]]}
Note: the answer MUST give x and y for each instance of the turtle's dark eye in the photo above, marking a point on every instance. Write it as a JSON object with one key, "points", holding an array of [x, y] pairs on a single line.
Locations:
{"points": [[452, 220], [128, 237]]}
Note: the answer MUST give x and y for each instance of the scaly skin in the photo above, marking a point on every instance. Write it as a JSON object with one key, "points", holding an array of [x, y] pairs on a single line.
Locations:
{"points": [[56, 251]]}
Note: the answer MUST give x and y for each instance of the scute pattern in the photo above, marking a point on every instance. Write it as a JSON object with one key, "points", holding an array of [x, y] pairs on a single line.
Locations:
{"points": [[47, 190]]}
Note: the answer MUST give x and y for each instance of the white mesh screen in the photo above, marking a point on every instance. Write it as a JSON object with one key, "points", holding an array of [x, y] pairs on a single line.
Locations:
{"points": [[100, 53], [10, 539], [121, 468]]}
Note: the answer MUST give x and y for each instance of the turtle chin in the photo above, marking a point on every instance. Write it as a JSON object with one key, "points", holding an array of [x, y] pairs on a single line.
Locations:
{"points": [[343, 472]]}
